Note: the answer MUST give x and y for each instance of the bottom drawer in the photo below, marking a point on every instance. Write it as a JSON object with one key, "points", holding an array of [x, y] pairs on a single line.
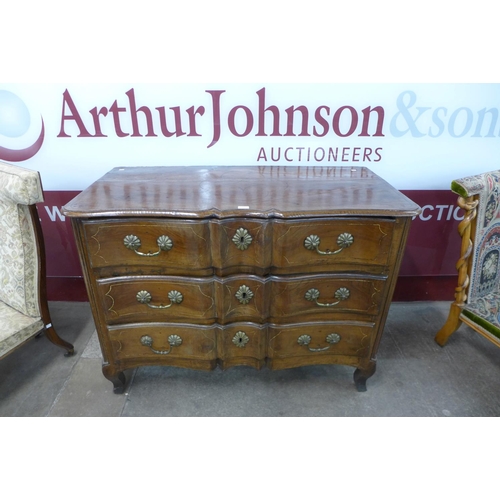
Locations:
{"points": [[162, 342], [309, 340], [242, 344]]}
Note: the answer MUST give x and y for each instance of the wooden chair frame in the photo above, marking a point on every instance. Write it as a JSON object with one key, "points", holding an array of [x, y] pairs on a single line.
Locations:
{"points": [[469, 199]]}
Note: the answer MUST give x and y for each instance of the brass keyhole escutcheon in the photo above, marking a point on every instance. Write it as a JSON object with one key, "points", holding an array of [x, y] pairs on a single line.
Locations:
{"points": [[242, 238], [240, 339], [244, 294]]}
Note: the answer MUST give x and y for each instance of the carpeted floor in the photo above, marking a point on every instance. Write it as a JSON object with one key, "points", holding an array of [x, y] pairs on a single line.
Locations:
{"points": [[415, 377]]}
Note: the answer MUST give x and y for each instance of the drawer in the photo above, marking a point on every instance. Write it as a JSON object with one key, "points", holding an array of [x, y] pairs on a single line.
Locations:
{"points": [[241, 245], [151, 299], [242, 298], [242, 344], [314, 297], [164, 342], [320, 340], [343, 244], [168, 245]]}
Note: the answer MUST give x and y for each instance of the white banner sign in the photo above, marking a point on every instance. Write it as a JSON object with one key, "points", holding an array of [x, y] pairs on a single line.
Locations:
{"points": [[416, 136]]}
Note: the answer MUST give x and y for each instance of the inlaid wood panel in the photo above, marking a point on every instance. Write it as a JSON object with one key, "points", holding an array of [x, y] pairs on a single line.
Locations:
{"points": [[303, 344], [164, 342], [314, 297], [149, 242], [332, 244], [136, 300]]}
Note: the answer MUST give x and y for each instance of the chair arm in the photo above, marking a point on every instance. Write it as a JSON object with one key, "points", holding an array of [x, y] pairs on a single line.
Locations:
{"points": [[19, 185], [475, 184]]}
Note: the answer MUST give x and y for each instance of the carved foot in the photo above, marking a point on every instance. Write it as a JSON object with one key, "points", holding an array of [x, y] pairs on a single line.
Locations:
{"points": [[361, 375], [451, 325], [118, 378], [51, 334]]}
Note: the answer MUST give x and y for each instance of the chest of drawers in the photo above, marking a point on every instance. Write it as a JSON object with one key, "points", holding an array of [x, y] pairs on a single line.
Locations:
{"points": [[204, 266]]}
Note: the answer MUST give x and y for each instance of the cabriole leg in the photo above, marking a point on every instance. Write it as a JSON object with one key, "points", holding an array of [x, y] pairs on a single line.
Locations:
{"points": [[361, 375], [115, 376]]}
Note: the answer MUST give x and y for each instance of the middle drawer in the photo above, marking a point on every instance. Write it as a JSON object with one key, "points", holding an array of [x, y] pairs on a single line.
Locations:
{"points": [[239, 298]]}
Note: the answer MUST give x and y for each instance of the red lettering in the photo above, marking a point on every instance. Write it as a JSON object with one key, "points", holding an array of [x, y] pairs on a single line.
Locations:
{"points": [[366, 120], [215, 114], [133, 115], [321, 121], [163, 122], [231, 121], [262, 110], [336, 121], [115, 110], [305, 120], [322, 156], [192, 119], [333, 155], [262, 155], [75, 116], [97, 126]]}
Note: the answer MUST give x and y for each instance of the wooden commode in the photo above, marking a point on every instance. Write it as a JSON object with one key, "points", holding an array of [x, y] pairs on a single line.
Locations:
{"points": [[204, 266]]}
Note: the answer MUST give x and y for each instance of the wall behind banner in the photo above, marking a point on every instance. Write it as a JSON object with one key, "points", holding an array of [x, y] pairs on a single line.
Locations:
{"points": [[417, 136]]}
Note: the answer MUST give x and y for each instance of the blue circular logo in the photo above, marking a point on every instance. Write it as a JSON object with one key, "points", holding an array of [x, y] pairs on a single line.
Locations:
{"points": [[14, 115], [15, 122]]}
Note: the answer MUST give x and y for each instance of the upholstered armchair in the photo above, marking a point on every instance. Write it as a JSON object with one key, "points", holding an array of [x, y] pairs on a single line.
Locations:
{"points": [[477, 295], [24, 312]]}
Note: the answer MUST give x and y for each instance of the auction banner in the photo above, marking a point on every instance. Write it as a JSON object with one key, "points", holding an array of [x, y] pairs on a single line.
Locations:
{"points": [[418, 137]]}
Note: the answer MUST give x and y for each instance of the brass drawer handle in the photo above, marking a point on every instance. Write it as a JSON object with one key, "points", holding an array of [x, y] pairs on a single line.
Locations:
{"points": [[240, 339], [341, 294], [242, 239], [331, 338], [133, 242], [344, 240], [244, 294], [144, 297], [173, 340]]}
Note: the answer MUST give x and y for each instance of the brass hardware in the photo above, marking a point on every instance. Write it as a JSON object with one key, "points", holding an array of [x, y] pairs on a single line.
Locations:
{"points": [[244, 294], [173, 340], [313, 241], [341, 294], [132, 242], [144, 297], [331, 338], [242, 239], [240, 339]]}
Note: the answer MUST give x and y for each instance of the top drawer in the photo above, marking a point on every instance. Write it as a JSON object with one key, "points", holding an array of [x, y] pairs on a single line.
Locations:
{"points": [[148, 242], [245, 245], [340, 244]]}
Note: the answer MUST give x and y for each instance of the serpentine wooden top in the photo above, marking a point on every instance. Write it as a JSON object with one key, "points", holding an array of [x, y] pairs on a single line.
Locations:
{"points": [[254, 191]]}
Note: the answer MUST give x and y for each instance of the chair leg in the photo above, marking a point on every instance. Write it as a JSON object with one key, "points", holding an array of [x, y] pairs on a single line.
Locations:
{"points": [[464, 229], [52, 335], [42, 286], [451, 325]]}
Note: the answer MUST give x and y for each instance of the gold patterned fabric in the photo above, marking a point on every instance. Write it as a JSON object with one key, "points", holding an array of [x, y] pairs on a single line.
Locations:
{"points": [[19, 188], [15, 328]]}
